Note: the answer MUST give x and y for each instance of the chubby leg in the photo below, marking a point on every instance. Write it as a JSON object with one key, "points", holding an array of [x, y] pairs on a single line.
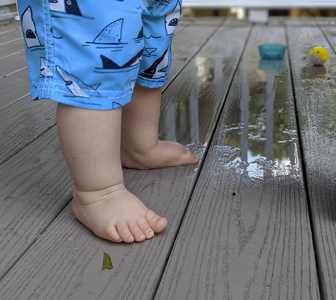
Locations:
{"points": [[90, 142], [140, 147]]}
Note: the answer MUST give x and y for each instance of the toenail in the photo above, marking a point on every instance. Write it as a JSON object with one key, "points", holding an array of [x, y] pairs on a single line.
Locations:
{"points": [[150, 233]]}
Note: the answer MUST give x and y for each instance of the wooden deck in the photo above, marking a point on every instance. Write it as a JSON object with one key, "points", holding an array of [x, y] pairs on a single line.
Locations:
{"points": [[256, 219]]}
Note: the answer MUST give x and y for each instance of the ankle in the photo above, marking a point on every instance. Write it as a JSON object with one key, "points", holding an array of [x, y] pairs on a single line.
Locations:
{"points": [[83, 196], [138, 146]]}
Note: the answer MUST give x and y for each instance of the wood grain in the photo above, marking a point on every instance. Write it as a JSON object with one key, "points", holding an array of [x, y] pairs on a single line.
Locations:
{"points": [[23, 122], [13, 33], [35, 186], [246, 234], [13, 87], [315, 96], [13, 46], [12, 64], [8, 27]]}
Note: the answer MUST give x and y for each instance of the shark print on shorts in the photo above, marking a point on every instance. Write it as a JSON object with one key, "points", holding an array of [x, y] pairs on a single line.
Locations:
{"points": [[29, 29], [65, 6], [90, 54]]}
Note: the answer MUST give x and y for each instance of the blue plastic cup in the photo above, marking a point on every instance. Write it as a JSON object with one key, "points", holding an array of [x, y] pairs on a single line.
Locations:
{"points": [[272, 51]]}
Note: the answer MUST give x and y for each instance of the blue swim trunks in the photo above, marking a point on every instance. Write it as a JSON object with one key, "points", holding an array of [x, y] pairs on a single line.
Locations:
{"points": [[90, 54]]}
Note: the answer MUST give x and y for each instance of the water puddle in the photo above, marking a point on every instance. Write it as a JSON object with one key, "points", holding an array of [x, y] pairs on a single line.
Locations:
{"points": [[257, 134]]}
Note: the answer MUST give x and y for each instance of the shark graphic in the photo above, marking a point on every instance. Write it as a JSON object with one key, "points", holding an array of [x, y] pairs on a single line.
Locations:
{"points": [[45, 72], [110, 65], [172, 19], [111, 34], [76, 86], [65, 6], [159, 68], [29, 29]]}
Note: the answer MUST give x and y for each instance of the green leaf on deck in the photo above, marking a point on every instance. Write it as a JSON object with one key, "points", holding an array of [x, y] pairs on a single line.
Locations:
{"points": [[107, 264]]}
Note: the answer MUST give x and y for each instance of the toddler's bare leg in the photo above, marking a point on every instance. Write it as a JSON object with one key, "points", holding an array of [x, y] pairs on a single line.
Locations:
{"points": [[140, 147], [90, 142]]}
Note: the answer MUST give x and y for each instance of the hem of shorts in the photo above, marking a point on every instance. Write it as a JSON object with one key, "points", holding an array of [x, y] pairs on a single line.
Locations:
{"points": [[92, 103], [152, 83]]}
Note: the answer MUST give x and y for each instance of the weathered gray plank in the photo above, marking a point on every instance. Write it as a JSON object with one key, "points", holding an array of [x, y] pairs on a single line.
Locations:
{"points": [[22, 123], [9, 35], [12, 63], [246, 234], [326, 21], [9, 48], [328, 28], [187, 43], [315, 96], [8, 26], [13, 87], [183, 23], [137, 267], [35, 186]]}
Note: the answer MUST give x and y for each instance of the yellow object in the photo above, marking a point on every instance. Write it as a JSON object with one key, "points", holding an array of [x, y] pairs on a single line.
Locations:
{"points": [[318, 55]]}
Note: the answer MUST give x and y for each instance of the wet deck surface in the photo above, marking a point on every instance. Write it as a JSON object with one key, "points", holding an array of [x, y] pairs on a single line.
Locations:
{"points": [[256, 219]]}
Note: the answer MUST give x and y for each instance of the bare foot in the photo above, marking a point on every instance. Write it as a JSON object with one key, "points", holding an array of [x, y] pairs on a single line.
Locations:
{"points": [[140, 148], [164, 154], [117, 215]]}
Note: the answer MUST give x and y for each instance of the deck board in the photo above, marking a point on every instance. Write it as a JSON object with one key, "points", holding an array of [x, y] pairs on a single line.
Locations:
{"points": [[6, 27], [12, 34], [13, 87], [32, 120], [153, 187], [12, 63], [14, 46], [35, 186], [315, 95], [246, 234]]}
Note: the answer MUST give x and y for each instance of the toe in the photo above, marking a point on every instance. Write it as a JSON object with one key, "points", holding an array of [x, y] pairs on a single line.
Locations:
{"points": [[125, 234], [112, 234], [136, 231], [145, 228], [156, 222], [189, 158]]}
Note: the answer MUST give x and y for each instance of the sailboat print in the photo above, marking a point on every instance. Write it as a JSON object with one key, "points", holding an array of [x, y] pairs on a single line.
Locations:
{"points": [[76, 86], [111, 66], [111, 34], [65, 6], [172, 19], [148, 52], [29, 29], [159, 68]]}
